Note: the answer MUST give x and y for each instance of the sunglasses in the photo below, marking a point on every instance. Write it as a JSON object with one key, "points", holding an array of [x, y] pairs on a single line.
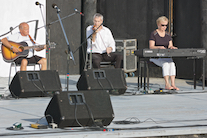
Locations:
{"points": [[164, 25]]}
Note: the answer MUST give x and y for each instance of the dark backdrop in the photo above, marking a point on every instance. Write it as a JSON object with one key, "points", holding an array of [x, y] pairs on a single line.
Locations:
{"points": [[133, 19], [187, 30], [137, 19], [72, 27], [127, 19]]}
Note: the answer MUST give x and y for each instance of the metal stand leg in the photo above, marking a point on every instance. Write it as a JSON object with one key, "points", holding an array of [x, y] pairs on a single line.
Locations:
{"points": [[12, 64], [147, 76], [194, 73], [138, 75], [203, 73], [144, 75], [141, 76]]}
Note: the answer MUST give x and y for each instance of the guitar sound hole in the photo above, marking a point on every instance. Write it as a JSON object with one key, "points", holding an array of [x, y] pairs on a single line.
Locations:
{"points": [[21, 48]]}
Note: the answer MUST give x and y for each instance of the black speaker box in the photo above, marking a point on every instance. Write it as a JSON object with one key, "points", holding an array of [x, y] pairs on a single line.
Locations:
{"points": [[35, 83], [80, 108], [103, 79]]}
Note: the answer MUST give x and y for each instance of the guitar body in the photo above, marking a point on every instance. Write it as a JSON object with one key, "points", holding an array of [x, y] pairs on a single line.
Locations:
{"points": [[10, 56]]}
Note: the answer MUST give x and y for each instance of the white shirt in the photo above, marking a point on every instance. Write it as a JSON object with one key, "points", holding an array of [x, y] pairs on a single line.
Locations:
{"points": [[17, 37], [104, 39]]}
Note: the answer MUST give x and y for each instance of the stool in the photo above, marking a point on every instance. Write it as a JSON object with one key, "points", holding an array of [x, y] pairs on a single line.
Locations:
{"points": [[143, 69]]}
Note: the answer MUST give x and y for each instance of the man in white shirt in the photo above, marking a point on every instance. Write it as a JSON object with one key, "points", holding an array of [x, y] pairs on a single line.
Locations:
{"points": [[102, 44], [21, 36]]}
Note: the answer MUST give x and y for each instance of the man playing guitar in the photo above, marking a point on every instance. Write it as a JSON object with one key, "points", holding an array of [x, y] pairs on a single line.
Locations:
{"points": [[23, 36]]}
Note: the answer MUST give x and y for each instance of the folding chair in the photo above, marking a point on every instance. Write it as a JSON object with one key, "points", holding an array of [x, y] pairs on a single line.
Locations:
{"points": [[102, 64], [13, 64]]}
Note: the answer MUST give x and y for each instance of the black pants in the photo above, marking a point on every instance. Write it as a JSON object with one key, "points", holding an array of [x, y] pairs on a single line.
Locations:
{"points": [[114, 57], [33, 60]]}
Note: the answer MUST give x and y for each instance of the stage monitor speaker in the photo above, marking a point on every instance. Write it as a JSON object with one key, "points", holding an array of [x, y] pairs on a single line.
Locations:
{"points": [[35, 83], [103, 79], [80, 108]]}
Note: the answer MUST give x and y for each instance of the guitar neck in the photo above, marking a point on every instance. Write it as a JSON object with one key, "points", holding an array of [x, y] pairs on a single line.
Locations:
{"points": [[33, 47]]}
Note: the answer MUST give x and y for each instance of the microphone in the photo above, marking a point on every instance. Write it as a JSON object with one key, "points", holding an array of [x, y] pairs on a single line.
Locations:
{"points": [[55, 7], [78, 12], [37, 3], [11, 29]]}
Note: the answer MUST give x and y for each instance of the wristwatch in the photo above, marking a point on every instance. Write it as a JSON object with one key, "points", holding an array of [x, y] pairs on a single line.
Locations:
{"points": [[11, 47]]}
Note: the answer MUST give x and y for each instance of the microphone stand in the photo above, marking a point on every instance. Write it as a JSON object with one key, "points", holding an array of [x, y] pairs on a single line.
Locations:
{"points": [[90, 36], [58, 20], [69, 50], [47, 38], [15, 28]]}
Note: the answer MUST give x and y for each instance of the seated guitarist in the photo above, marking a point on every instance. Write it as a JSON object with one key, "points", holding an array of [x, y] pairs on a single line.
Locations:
{"points": [[21, 36]]}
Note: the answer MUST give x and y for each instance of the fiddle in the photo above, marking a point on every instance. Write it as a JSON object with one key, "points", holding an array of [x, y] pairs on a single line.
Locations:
{"points": [[94, 33], [94, 28]]}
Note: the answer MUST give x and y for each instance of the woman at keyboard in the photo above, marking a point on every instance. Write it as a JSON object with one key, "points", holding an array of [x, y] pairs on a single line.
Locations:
{"points": [[161, 39]]}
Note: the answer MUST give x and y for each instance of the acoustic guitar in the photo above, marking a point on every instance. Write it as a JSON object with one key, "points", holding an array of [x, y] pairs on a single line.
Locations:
{"points": [[10, 56]]}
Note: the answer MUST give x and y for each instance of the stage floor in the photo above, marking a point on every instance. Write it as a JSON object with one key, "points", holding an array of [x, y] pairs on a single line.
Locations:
{"points": [[163, 114]]}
